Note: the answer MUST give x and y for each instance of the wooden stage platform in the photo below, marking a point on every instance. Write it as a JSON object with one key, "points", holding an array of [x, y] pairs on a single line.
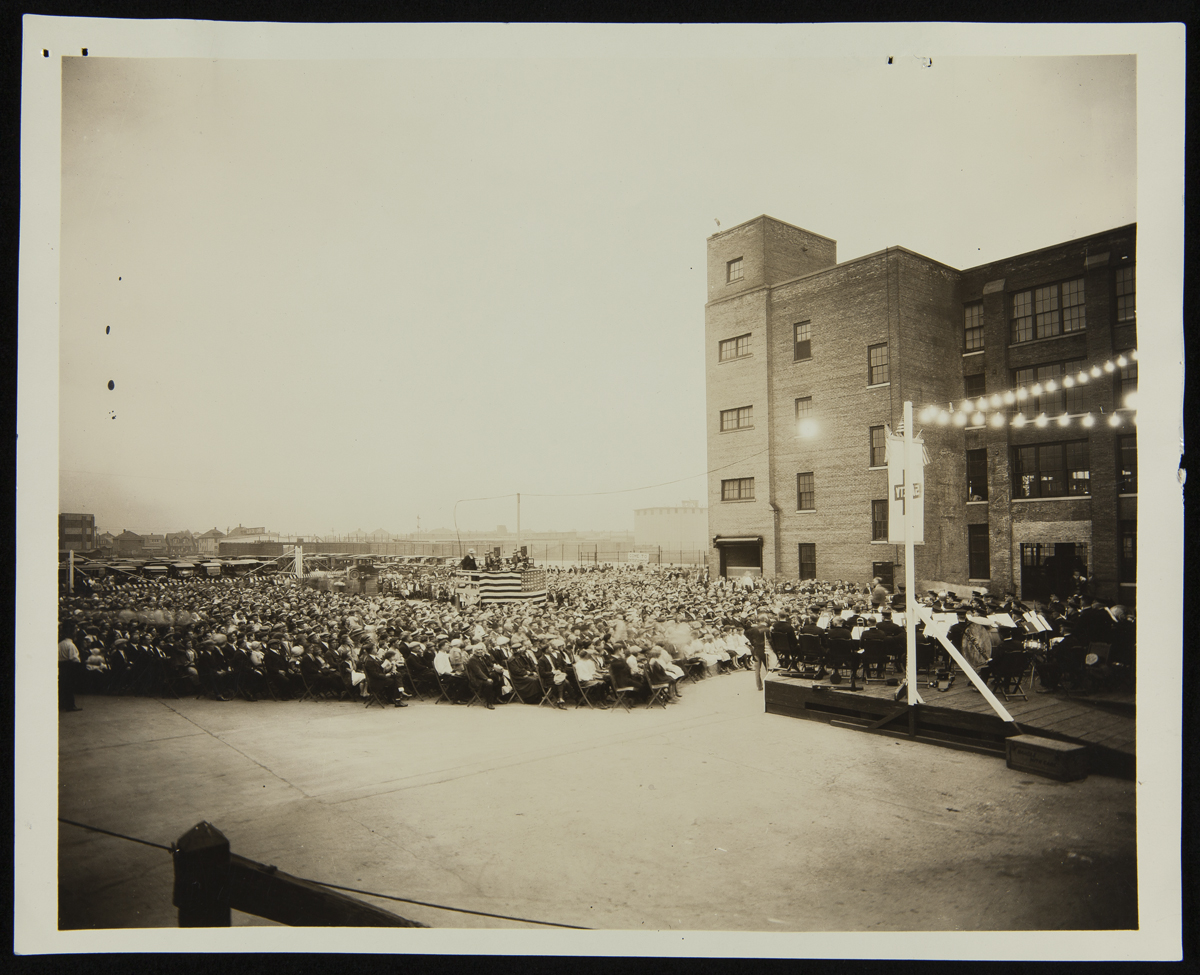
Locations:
{"points": [[961, 718]]}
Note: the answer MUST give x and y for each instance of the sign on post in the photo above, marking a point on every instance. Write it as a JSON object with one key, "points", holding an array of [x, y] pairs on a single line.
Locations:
{"points": [[906, 489]]}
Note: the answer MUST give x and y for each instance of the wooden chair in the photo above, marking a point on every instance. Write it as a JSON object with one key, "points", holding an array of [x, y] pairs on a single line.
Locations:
{"points": [[621, 693], [582, 691], [660, 692]]}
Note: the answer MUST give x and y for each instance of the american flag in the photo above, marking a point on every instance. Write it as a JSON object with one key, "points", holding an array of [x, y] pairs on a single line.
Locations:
{"points": [[509, 587]]}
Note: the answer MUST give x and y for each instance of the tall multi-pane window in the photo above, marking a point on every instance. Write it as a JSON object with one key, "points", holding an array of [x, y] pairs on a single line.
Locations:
{"points": [[974, 385], [734, 348], [1127, 464], [1059, 400], [802, 339], [973, 327], [1127, 382], [878, 447], [733, 270], [978, 560], [741, 418], [1123, 286], [877, 364], [806, 498], [808, 560], [737, 489], [977, 481], [879, 521], [1048, 311], [1127, 552], [1051, 470], [803, 407]]}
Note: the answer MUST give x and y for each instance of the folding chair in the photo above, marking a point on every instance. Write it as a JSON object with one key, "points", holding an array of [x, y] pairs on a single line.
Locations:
{"points": [[620, 693], [1008, 672], [659, 692], [581, 690], [443, 694], [373, 695], [547, 690], [475, 697], [874, 654]]}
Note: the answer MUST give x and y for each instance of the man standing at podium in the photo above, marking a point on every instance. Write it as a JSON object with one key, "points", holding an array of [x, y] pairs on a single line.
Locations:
{"points": [[468, 562]]}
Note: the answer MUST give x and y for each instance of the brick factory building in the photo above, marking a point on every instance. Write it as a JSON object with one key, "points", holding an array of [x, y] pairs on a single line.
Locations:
{"points": [[809, 361]]}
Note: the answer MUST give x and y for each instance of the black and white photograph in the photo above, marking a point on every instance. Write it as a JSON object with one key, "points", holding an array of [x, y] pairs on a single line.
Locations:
{"points": [[607, 489]]}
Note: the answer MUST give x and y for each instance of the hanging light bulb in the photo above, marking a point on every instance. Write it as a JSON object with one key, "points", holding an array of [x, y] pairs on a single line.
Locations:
{"points": [[1022, 394], [1131, 399], [1009, 398], [960, 419], [1068, 382], [967, 406], [943, 417], [1095, 372], [1051, 386], [1108, 366], [1114, 420], [1036, 390], [977, 419], [1133, 354], [1082, 378], [997, 420], [1019, 420], [981, 403], [926, 414], [1122, 361], [1088, 420], [1064, 419], [1042, 420], [995, 401], [1134, 419]]}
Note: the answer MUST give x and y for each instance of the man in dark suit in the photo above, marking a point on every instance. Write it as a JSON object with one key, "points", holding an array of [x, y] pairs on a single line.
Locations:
{"points": [[482, 673]]}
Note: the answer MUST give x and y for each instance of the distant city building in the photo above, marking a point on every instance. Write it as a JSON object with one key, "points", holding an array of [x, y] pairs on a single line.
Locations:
{"points": [[181, 543], [128, 544], [106, 542], [679, 529], [206, 544], [76, 532]]}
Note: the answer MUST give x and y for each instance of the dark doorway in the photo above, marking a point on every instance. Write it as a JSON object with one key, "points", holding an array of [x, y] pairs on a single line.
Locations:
{"points": [[885, 573], [741, 558], [1047, 567]]}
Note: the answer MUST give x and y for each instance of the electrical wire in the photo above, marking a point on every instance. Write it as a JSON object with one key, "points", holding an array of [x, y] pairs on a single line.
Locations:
{"points": [[352, 890]]}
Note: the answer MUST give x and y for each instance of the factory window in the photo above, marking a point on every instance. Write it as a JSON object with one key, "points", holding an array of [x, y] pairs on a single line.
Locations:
{"points": [[1051, 470], [738, 489], [734, 348], [1127, 554], [1052, 402], [877, 364], [1127, 383], [803, 341], [1123, 286], [805, 493], [733, 270], [741, 418], [879, 521], [1048, 311], [973, 327], [803, 407], [878, 447], [808, 560], [974, 385], [977, 482], [1127, 464], [978, 562]]}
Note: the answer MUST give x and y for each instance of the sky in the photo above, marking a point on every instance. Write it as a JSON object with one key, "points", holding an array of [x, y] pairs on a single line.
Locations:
{"points": [[338, 295]]}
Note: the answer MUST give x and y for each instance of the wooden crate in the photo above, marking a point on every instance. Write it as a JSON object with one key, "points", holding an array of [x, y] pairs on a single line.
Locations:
{"points": [[1065, 761]]}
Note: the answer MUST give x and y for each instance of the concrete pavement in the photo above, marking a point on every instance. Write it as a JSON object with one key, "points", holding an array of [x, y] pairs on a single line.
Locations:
{"points": [[710, 815]]}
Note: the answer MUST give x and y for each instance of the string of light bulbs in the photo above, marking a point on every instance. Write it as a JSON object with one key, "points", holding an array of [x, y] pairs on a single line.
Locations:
{"points": [[990, 410]]}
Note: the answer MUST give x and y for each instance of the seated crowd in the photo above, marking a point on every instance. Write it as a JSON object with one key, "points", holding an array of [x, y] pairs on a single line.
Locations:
{"points": [[623, 633]]}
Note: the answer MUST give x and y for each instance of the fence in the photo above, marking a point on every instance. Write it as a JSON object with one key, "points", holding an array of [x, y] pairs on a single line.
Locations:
{"points": [[571, 552]]}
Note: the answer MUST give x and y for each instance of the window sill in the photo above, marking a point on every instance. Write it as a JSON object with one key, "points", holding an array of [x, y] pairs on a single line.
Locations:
{"points": [[735, 500], [806, 511], [809, 359], [880, 541], [1050, 338], [883, 468], [985, 579], [973, 352], [878, 385], [1132, 585], [1068, 497], [736, 358], [977, 502], [737, 430]]}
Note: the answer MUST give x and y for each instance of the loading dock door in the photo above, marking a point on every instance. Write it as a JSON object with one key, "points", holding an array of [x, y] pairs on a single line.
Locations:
{"points": [[740, 556]]}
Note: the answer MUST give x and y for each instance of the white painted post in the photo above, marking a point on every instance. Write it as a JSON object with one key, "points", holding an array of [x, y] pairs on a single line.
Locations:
{"points": [[71, 570], [299, 566], [910, 585]]}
